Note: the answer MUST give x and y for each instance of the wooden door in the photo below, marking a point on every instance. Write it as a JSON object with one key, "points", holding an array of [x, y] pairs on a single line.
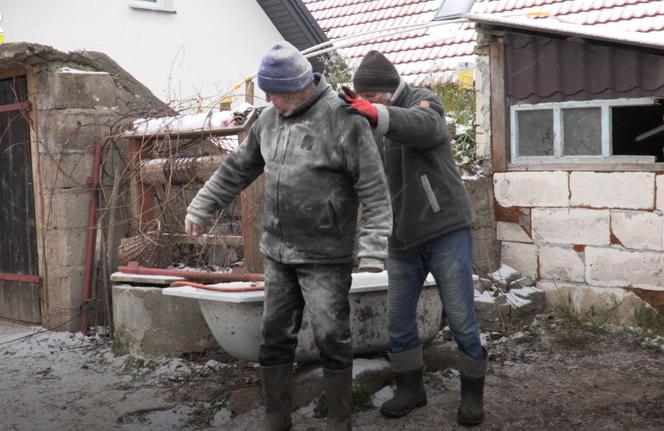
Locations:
{"points": [[19, 271]]}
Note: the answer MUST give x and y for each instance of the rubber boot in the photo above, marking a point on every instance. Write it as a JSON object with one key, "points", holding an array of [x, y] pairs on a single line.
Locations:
{"points": [[277, 397], [339, 395], [472, 371], [408, 370]]}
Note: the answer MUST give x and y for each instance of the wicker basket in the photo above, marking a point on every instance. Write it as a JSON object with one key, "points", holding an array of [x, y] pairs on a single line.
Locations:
{"points": [[152, 249]]}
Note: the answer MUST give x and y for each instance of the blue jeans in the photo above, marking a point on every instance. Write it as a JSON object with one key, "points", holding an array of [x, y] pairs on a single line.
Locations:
{"points": [[449, 258]]}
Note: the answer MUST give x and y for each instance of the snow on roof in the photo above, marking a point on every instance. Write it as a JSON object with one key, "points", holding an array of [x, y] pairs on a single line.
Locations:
{"points": [[556, 26], [189, 123], [440, 51]]}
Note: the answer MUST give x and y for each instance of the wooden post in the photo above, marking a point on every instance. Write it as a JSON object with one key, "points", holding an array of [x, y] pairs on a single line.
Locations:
{"points": [[251, 217], [500, 151], [142, 194]]}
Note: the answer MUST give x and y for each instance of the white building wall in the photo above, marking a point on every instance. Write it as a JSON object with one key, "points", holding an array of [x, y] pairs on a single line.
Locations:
{"points": [[201, 50], [574, 241]]}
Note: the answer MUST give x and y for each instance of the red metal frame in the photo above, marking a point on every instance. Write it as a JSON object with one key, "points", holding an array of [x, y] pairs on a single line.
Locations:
{"points": [[134, 268], [93, 182], [34, 279], [257, 288], [23, 106]]}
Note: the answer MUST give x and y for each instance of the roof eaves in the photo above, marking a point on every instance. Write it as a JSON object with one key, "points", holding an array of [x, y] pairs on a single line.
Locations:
{"points": [[289, 14], [553, 26]]}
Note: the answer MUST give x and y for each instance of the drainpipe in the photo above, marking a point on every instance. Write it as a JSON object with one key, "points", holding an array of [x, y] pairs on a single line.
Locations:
{"points": [[93, 183]]}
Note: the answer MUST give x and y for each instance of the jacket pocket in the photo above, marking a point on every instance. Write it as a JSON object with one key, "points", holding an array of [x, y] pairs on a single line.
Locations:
{"points": [[328, 223], [428, 192]]}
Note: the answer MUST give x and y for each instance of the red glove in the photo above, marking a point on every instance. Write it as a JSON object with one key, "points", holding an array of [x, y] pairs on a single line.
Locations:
{"points": [[359, 106]]}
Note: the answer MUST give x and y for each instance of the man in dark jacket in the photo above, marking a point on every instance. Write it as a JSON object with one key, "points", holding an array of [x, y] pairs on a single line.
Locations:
{"points": [[319, 162], [431, 231]]}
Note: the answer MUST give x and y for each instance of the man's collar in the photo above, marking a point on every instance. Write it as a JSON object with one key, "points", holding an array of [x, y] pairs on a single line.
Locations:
{"points": [[398, 91]]}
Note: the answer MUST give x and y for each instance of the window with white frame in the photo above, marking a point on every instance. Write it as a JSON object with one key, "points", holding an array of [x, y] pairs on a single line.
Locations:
{"points": [[588, 130], [156, 5]]}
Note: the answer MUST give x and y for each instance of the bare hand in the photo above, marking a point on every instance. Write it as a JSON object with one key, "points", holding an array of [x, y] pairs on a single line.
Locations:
{"points": [[192, 229]]}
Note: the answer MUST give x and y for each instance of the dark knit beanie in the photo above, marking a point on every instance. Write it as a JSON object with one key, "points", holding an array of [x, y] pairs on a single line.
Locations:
{"points": [[375, 74], [284, 70]]}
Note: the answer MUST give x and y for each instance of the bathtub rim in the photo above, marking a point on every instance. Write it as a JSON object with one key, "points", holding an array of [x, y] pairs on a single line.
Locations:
{"points": [[362, 282]]}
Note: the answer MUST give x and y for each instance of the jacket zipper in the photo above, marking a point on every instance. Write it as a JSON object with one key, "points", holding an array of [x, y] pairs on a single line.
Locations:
{"points": [[277, 198], [387, 175]]}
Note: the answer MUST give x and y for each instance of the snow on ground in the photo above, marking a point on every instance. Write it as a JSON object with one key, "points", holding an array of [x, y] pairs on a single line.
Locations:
{"points": [[61, 381]]}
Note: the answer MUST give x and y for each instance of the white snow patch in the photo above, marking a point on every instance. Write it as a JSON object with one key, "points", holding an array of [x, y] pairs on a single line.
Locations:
{"points": [[361, 365], [80, 71], [205, 121], [221, 417], [484, 297], [515, 301], [525, 292], [465, 176], [382, 395], [505, 274]]}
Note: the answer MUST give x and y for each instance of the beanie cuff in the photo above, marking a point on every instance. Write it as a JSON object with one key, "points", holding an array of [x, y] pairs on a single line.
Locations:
{"points": [[373, 87], [285, 85]]}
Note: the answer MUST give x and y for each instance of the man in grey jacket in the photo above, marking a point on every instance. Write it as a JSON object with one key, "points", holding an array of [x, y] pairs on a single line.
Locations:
{"points": [[319, 163], [431, 232]]}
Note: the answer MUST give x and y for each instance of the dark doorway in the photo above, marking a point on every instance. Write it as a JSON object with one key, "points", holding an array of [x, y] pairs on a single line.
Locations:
{"points": [[19, 271]]}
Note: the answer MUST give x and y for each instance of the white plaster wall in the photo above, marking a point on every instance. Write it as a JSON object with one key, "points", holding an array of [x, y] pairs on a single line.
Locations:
{"points": [[616, 267], [659, 181], [639, 229], [522, 257], [511, 232], [202, 49], [630, 190], [570, 226], [583, 297], [531, 189], [561, 263]]}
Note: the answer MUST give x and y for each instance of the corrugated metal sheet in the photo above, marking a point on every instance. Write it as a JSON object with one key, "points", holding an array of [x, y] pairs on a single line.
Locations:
{"points": [[546, 69]]}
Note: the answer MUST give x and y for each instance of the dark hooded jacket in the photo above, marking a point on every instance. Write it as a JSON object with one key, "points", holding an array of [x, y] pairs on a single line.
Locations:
{"points": [[428, 196], [318, 163]]}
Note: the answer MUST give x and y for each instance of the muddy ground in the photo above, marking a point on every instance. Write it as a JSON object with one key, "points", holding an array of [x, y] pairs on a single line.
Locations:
{"points": [[548, 376]]}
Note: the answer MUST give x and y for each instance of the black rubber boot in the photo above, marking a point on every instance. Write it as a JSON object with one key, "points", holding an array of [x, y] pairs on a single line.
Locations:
{"points": [[471, 409], [408, 373], [339, 396], [277, 397]]}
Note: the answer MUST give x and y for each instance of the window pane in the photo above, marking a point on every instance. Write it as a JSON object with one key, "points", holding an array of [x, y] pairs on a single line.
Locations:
{"points": [[582, 132], [535, 136]]}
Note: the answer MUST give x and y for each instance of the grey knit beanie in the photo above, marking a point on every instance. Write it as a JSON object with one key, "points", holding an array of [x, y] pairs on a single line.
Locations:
{"points": [[284, 70], [375, 74]]}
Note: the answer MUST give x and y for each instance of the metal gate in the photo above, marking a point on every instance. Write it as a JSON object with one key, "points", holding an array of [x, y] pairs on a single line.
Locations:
{"points": [[19, 271]]}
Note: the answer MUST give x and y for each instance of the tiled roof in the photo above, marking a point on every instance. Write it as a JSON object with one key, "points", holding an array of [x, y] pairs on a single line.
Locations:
{"points": [[422, 54]]}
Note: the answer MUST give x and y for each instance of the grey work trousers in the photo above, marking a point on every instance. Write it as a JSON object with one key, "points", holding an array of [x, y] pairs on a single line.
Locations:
{"points": [[323, 290]]}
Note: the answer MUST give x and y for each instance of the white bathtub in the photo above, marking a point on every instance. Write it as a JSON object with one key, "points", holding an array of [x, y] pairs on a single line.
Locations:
{"points": [[235, 317]]}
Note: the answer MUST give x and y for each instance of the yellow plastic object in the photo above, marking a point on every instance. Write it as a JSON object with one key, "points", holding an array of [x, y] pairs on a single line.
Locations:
{"points": [[539, 14]]}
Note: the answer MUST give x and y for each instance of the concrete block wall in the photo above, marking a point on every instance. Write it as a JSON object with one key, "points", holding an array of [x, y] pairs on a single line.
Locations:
{"points": [[73, 110], [589, 229]]}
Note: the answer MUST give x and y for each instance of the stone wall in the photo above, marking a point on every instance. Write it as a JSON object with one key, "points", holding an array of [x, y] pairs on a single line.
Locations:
{"points": [[72, 112], [76, 100], [590, 229], [486, 248], [586, 236]]}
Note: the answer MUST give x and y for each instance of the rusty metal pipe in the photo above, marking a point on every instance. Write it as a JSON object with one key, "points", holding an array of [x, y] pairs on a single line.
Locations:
{"points": [[93, 183], [191, 275]]}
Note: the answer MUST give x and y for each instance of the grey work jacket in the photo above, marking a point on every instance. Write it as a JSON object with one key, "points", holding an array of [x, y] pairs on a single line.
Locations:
{"points": [[428, 196], [318, 163]]}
